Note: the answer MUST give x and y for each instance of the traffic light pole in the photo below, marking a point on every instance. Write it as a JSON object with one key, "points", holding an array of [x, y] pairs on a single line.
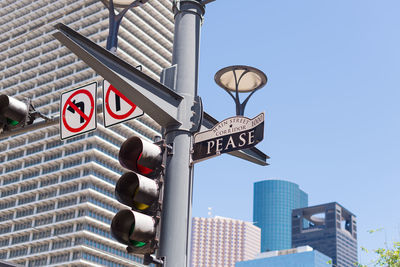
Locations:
{"points": [[177, 202]]}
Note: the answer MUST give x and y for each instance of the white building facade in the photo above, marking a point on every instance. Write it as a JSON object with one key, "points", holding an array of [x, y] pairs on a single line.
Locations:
{"points": [[221, 242], [57, 197]]}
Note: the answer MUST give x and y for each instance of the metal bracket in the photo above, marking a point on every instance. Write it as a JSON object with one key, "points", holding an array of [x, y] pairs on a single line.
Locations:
{"points": [[176, 7], [148, 259], [197, 118]]}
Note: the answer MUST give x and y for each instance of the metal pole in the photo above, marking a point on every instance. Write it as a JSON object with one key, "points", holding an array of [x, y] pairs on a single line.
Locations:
{"points": [[177, 203]]}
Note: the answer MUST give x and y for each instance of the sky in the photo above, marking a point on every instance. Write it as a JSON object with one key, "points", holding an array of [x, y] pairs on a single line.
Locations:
{"points": [[331, 103]]}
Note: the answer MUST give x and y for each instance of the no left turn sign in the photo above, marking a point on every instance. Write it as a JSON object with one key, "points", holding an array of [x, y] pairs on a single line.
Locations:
{"points": [[117, 108], [78, 111]]}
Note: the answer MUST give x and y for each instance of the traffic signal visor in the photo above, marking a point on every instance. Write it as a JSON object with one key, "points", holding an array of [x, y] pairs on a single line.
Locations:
{"points": [[136, 191], [135, 230], [140, 156]]}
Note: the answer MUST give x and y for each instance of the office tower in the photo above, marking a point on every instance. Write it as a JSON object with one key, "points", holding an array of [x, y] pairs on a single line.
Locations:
{"points": [[304, 256], [223, 241], [57, 197], [273, 203], [328, 228]]}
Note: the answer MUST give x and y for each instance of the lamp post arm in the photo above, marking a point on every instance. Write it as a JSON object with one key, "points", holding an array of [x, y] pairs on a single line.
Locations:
{"points": [[237, 88], [230, 94], [110, 7], [132, 5], [243, 105]]}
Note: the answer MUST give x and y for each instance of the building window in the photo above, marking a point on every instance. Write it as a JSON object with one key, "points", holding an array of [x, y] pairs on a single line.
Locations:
{"points": [[67, 202], [23, 225], [39, 248], [43, 221], [65, 216], [61, 244], [49, 181], [46, 207], [20, 239], [15, 155], [70, 176], [9, 192], [18, 252], [50, 169], [69, 189], [59, 258], [41, 234], [28, 175], [11, 180], [22, 213], [47, 194], [8, 204], [28, 187], [4, 242], [5, 229], [32, 150], [25, 200]]}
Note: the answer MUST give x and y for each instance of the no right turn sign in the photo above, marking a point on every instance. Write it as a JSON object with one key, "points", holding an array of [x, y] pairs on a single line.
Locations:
{"points": [[116, 107]]}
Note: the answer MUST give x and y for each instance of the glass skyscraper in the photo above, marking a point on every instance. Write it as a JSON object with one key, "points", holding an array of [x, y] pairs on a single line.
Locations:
{"points": [[273, 203], [57, 196]]}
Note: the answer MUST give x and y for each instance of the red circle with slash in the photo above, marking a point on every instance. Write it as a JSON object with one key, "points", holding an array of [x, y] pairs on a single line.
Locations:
{"points": [[83, 115], [112, 114]]}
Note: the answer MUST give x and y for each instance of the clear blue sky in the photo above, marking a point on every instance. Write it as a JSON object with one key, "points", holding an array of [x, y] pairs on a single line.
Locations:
{"points": [[331, 103]]}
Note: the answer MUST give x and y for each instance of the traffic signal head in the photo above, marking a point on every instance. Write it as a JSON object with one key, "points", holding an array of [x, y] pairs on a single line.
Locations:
{"points": [[139, 189], [141, 156], [13, 112]]}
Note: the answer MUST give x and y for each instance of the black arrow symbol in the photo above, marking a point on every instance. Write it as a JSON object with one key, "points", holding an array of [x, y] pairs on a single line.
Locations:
{"points": [[80, 105]]}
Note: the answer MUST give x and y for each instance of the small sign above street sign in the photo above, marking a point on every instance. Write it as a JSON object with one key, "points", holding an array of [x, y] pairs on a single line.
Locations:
{"points": [[231, 134], [117, 108], [78, 111]]}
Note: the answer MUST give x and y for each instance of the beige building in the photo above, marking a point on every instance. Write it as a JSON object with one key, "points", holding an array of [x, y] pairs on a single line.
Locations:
{"points": [[57, 197], [221, 242]]}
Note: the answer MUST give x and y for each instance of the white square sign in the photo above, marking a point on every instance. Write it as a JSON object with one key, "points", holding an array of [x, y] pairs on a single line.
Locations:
{"points": [[117, 108], [78, 111]]}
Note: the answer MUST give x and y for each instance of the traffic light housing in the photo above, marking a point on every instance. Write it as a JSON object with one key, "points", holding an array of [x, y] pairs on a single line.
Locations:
{"points": [[13, 112], [141, 190]]}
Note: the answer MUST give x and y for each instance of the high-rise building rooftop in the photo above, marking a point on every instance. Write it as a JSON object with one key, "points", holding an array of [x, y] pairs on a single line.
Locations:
{"points": [[223, 241]]}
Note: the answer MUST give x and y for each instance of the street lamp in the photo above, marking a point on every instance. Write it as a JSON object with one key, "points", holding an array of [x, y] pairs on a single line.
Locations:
{"points": [[115, 20], [240, 79]]}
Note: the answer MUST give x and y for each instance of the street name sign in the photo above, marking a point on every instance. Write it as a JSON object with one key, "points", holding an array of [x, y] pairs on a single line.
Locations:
{"points": [[117, 107], [231, 134], [78, 111]]}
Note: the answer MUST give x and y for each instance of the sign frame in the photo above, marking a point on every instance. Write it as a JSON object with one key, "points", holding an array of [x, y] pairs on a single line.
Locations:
{"points": [[107, 109], [89, 125]]}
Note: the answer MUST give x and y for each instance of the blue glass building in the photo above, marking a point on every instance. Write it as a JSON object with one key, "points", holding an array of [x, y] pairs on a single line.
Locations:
{"points": [[273, 203], [307, 258]]}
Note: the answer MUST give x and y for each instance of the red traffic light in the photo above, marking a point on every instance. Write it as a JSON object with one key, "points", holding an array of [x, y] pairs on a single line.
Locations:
{"points": [[140, 156]]}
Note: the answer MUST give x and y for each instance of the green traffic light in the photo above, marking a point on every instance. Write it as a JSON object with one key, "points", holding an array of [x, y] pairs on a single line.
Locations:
{"points": [[12, 122], [136, 244]]}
